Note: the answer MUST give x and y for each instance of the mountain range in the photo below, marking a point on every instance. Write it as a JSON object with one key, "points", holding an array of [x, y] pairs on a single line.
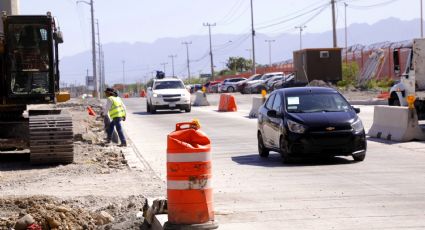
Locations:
{"points": [[141, 59]]}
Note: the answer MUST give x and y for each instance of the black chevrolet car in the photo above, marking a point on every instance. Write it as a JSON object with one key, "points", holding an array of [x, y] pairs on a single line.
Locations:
{"points": [[310, 122]]}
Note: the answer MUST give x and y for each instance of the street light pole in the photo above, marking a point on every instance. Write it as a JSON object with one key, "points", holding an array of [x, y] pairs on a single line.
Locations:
{"points": [[96, 89], [211, 53], [301, 28], [172, 62], [254, 71], [187, 56], [270, 51]]}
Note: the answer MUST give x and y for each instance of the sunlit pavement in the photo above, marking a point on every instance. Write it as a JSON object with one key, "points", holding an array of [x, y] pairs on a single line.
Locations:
{"points": [[385, 191]]}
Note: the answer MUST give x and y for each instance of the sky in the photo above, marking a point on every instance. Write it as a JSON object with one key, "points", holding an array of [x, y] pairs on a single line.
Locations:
{"points": [[149, 20]]}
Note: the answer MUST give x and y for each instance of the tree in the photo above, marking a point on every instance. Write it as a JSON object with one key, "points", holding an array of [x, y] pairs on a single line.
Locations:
{"points": [[239, 64]]}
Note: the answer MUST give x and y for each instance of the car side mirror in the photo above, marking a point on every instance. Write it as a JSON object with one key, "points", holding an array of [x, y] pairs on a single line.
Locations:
{"points": [[357, 110], [272, 113]]}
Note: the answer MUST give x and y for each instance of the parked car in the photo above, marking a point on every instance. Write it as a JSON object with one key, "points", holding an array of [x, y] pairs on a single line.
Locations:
{"points": [[242, 84], [271, 81], [310, 122], [229, 85], [260, 85], [212, 86], [288, 82], [249, 86], [168, 93]]}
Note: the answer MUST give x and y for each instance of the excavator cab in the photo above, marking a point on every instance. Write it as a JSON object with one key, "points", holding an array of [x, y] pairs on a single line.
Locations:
{"points": [[30, 73]]}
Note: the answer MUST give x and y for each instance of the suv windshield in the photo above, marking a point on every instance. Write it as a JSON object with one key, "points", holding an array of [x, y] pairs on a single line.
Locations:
{"points": [[168, 85], [319, 102]]}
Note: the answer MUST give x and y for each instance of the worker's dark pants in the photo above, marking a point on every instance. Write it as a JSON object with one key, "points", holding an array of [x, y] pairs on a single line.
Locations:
{"points": [[116, 123]]}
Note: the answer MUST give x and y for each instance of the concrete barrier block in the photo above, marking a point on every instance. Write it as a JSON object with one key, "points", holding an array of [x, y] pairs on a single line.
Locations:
{"points": [[396, 123], [256, 103], [201, 99]]}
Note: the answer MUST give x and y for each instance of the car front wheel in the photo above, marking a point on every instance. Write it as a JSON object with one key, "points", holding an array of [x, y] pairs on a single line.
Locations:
{"points": [[359, 157], [284, 152], [230, 89], [262, 150], [153, 109], [188, 109]]}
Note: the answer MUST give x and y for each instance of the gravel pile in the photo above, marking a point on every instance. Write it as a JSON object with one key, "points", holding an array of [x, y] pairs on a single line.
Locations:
{"points": [[82, 213]]}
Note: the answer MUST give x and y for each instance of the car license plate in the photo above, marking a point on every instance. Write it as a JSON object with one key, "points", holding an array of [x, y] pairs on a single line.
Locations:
{"points": [[172, 105]]}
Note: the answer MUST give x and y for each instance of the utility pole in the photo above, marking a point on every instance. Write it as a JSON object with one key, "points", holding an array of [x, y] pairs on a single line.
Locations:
{"points": [[123, 76], [346, 33], [301, 28], [334, 24], [93, 38], [422, 21], [100, 59], [163, 66], [254, 71], [211, 53], [187, 56], [172, 62], [270, 51]]}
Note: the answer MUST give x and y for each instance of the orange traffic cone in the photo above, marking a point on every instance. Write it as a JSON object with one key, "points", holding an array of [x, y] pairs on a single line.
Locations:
{"points": [[189, 191], [142, 93], [91, 111]]}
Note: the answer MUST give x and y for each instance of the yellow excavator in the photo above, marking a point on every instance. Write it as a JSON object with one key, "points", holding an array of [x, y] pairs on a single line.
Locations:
{"points": [[29, 68]]}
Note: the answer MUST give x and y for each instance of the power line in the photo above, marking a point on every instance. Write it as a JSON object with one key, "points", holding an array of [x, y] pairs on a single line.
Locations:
{"points": [[372, 5]]}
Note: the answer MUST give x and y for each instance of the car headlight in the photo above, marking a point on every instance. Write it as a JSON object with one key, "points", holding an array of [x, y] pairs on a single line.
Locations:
{"points": [[357, 126], [156, 95], [295, 127]]}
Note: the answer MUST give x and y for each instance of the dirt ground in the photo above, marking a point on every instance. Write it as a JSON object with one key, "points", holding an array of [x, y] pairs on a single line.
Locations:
{"points": [[97, 191], [74, 195]]}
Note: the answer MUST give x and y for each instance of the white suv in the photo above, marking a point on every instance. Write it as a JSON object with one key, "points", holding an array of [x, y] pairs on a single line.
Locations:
{"points": [[168, 93]]}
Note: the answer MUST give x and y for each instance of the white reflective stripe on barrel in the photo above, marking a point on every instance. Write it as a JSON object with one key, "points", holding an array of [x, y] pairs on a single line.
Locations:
{"points": [[202, 183], [188, 157]]}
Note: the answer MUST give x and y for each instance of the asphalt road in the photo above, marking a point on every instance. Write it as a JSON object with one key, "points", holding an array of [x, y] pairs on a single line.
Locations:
{"points": [[386, 191]]}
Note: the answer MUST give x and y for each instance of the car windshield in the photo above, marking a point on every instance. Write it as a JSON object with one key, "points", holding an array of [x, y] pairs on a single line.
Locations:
{"points": [[316, 102], [168, 85]]}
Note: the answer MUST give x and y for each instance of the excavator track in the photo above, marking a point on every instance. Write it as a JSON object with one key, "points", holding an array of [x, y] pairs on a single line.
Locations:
{"points": [[51, 139]]}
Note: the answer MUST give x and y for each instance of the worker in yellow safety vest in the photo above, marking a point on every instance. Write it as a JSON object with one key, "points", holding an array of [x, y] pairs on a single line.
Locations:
{"points": [[115, 110]]}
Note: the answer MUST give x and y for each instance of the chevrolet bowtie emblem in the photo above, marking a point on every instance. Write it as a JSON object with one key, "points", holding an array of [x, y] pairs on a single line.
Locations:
{"points": [[330, 128]]}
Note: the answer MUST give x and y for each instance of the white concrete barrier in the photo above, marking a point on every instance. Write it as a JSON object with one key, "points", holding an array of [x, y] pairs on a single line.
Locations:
{"points": [[256, 103], [201, 99], [396, 123]]}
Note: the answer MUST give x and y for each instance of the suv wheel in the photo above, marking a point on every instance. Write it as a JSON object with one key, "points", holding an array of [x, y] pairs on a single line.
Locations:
{"points": [[152, 109], [262, 150], [230, 89], [188, 109]]}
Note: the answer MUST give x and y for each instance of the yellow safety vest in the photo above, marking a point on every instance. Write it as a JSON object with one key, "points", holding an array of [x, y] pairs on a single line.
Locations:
{"points": [[117, 109]]}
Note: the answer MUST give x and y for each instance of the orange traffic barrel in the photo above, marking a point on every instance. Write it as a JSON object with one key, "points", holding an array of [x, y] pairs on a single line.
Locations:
{"points": [[189, 190]]}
